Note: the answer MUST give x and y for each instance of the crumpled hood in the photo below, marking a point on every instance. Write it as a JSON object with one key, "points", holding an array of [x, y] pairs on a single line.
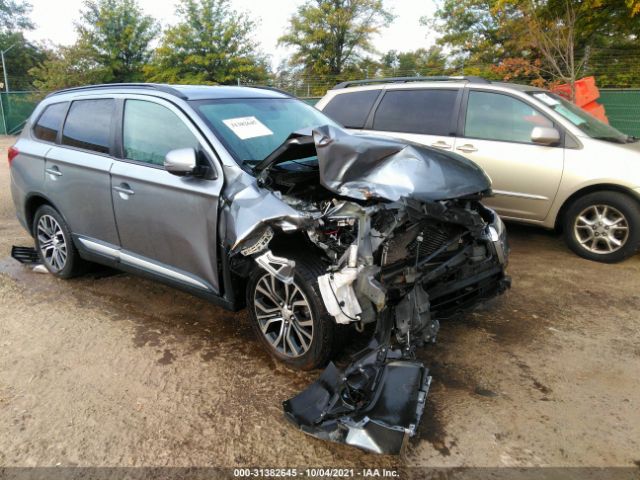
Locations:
{"points": [[364, 167]]}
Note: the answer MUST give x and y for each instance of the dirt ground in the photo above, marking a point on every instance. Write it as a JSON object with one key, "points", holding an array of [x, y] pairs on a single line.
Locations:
{"points": [[114, 370]]}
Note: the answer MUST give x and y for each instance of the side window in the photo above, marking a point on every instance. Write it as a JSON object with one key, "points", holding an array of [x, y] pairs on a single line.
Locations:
{"points": [[151, 130], [427, 112], [492, 116], [88, 125], [49, 123], [351, 109]]}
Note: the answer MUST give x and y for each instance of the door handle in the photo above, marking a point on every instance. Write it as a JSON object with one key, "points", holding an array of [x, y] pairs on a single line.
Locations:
{"points": [[467, 148], [124, 190], [54, 171], [442, 145]]}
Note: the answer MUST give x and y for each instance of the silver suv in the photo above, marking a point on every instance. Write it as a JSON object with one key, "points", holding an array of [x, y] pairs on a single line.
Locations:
{"points": [[551, 163], [247, 196]]}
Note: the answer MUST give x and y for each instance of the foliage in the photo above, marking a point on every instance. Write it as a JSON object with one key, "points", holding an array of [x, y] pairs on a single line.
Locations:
{"points": [[430, 61], [68, 67], [211, 44], [541, 40], [21, 55], [116, 34], [331, 36], [14, 16]]}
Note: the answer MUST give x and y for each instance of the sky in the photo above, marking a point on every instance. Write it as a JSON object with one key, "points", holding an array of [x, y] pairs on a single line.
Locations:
{"points": [[54, 22]]}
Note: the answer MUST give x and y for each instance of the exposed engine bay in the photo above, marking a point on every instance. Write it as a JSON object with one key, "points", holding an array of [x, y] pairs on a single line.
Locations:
{"points": [[405, 243]]}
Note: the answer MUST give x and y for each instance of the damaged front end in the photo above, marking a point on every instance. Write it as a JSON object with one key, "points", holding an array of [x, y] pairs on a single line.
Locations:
{"points": [[405, 242]]}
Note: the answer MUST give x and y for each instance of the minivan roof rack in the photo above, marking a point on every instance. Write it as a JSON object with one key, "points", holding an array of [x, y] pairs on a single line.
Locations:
{"points": [[442, 78], [154, 86]]}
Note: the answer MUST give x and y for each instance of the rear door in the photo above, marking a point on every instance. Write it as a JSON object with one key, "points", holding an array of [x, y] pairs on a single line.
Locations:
{"points": [[167, 224], [77, 170], [496, 134], [427, 116]]}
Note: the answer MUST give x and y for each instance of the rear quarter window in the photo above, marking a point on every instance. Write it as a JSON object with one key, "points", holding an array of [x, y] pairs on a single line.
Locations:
{"points": [[351, 109], [50, 121], [426, 112], [88, 125]]}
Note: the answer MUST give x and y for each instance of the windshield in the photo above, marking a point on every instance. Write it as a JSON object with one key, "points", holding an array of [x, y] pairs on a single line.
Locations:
{"points": [[587, 123], [252, 128]]}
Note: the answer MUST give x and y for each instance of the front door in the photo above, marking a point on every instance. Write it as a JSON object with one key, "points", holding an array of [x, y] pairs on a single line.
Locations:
{"points": [[167, 224], [497, 136]]}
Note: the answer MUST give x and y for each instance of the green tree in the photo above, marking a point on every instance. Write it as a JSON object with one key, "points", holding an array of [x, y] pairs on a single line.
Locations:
{"points": [[330, 36], [212, 43], [116, 34], [21, 55], [538, 40], [66, 67], [431, 61], [14, 16]]}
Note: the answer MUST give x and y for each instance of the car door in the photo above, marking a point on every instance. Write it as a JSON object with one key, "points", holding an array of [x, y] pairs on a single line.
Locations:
{"points": [[496, 134], [427, 115], [167, 224], [77, 170]]}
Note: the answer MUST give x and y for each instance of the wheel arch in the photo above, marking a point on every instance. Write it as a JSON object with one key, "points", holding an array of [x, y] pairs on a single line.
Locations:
{"points": [[33, 203], [599, 187]]}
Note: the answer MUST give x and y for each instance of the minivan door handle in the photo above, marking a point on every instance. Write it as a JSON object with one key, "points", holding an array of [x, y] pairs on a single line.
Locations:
{"points": [[442, 145], [124, 190], [54, 172], [467, 148]]}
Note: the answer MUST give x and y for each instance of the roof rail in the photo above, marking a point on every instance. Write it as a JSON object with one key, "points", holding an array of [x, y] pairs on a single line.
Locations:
{"points": [[267, 87], [470, 79], [152, 86]]}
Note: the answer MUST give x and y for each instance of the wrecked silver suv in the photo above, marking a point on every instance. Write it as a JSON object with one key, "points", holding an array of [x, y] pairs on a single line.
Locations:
{"points": [[249, 197]]}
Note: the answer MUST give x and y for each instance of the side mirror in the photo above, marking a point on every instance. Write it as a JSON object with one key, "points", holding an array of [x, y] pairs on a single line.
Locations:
{"points": [[545, 136], [181, 161]]}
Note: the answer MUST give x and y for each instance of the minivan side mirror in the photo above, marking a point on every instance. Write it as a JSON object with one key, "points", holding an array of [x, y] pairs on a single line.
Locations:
{"points": [[181, 161], [545, 136]]}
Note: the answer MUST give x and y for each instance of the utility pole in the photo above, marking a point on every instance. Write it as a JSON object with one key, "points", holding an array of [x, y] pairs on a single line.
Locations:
{"points": [[4, 68]]}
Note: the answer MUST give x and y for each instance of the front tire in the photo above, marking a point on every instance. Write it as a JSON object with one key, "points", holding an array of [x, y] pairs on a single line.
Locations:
{"points": [[603, 226], [291, 321], [54, 244]]}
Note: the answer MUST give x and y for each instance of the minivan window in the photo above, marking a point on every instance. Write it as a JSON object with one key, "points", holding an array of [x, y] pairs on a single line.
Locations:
{"points": [[88, 125], [151, 130], [427, 112], [351, 109], [587, 123], [493, 116], [50, 121]]}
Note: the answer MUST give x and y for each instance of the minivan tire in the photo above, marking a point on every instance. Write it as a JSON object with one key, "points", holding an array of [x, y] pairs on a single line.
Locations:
{"points": [[47, 217], [323, 341], [600, 223]]}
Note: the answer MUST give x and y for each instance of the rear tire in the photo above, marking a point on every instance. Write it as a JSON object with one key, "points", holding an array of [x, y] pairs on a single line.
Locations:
{"points": [[291, 321], [603, 226], [54, 244]]}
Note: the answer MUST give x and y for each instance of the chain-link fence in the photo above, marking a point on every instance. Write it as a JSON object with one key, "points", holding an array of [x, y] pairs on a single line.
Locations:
{"points": [[622, 108], [16, 107]]}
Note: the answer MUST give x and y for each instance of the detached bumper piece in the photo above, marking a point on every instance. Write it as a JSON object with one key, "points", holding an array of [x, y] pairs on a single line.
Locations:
{"points": [[375, 404], [26, 255]]}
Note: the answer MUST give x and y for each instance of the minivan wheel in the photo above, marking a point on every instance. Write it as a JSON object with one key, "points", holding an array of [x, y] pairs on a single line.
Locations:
{"points": [[290, 320], [54, 245], [603, 226]]}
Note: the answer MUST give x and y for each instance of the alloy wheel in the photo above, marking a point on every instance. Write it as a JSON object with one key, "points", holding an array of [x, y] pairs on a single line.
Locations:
{"points": [[601, 229], [284, 315], [53, 246]]}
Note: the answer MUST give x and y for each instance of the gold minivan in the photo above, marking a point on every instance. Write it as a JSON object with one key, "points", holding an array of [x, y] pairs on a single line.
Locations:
{"points": [[551, 163]]}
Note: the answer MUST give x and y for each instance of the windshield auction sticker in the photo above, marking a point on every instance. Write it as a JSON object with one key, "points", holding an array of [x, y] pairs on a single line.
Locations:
{"points": [[247, 127]]}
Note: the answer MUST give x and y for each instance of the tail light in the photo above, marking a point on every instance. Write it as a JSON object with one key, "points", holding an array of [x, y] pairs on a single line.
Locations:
{"points": [[11, 154]]}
